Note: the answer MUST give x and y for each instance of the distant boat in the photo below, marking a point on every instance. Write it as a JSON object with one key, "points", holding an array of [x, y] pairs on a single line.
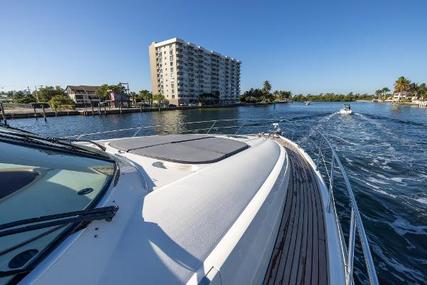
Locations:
{"points": [[346, 110], [307, 103]]}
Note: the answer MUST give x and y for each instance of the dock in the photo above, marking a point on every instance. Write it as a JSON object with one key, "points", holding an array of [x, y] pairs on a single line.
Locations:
{"points": [[20, 113]]}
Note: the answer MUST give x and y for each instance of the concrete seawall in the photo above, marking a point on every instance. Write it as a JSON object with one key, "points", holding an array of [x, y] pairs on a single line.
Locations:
{"points": [[20, 114]]}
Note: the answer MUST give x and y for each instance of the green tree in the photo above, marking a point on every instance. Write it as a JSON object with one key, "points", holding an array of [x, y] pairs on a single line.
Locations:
{"points": [[332, 97], [282, 95], [44, 94], [266, 88], [145, 96], [402, 84], [103, 92], [59, 102], [159, 99], [22, 97], [422, 91], [252, 96], [385, 91], [133, 96], [117, 89]]}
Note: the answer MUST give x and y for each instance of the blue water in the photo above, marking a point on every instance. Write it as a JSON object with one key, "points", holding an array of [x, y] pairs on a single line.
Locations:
{"points": [[382, 147]]}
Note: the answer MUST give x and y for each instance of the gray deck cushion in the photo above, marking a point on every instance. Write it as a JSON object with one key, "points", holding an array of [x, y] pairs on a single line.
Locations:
{"points": [[140, 142], [182, 148]]}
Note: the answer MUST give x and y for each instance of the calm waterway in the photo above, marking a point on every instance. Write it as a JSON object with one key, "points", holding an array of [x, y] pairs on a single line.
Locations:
{"points": [[382, 147]]}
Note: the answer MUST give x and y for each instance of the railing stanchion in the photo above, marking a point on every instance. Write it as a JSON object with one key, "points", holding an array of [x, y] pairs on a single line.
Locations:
{"points": [[137, 132], [213, 124], [351, 244], [331, 184], [3, 113]]}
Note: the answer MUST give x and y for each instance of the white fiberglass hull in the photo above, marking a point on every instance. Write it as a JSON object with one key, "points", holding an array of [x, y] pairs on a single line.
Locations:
{"points": [[346, 112], [180, 223]]}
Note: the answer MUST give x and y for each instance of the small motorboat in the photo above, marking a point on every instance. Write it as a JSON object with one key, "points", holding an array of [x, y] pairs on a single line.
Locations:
{"points": [[346, 110], [307, 103]]}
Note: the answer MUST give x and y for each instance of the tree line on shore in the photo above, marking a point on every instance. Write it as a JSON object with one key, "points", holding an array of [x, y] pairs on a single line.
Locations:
{"points": [[402, 85], [264, 95], [332, 97], [405, 88], [54, 96], [57, 98]]}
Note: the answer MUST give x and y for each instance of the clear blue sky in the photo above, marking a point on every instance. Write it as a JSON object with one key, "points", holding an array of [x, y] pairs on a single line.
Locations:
{"points": [[300, 45]]}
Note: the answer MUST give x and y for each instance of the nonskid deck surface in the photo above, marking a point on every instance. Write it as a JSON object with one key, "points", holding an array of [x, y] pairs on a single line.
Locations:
{"points": [[300, 252]]}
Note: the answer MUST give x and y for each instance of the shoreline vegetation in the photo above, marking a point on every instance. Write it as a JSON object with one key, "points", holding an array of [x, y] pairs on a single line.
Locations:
{"points": [[54, 101]]}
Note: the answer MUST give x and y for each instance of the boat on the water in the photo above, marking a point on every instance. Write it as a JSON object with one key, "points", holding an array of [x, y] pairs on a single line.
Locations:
{"points": [[196, 208], [307, 103], [346, 110]]}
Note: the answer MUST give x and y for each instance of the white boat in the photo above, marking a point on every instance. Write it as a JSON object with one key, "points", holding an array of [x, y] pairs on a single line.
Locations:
{"points": [[307, 103], [346, 110], [171, 209]]}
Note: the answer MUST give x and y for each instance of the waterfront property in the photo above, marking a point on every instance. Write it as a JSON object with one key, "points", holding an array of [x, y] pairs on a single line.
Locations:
{"points": [[83, 94], [185, 73], [397, 96]]}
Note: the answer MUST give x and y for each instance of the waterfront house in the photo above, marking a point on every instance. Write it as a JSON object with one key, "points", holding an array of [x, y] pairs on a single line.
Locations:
{"points": [[83, 95], [119, 100], [414, 98], [398, 96]]}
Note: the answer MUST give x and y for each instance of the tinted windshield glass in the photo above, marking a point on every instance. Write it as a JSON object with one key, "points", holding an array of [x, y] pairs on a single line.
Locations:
{"points": [[43, 181]]}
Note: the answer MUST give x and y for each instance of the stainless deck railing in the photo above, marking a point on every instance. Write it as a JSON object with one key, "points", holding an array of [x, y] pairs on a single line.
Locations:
{"points": [[224, 126], [314, 141], [356, 223]]}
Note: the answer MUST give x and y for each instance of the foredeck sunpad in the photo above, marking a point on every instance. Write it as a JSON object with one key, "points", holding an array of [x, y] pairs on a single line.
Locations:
{"points": [[192, 149], [128, 144]]}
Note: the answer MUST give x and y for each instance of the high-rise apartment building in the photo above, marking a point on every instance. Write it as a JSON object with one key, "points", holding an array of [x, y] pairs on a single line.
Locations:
{"points": [[182, 71]]}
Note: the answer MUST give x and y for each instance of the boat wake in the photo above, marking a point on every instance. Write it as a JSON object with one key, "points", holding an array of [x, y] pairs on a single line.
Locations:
{"points": [[386, 162]]}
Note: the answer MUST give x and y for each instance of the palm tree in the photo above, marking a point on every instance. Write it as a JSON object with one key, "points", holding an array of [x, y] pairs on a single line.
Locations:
{"points": [[422, 91], [414, 89], [159, 98], [385, 91], [378, 93], [402, 84], [146, 96]]}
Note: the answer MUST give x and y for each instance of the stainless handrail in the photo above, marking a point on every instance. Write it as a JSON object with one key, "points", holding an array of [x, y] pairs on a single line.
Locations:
{"points": [[356, 224], [211, 122]]}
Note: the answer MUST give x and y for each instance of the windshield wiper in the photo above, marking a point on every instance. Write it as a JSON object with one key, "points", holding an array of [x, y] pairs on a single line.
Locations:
{"points": [[58, 221], [100, 146], [61, 141], [25, 225], [52, 142]]}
